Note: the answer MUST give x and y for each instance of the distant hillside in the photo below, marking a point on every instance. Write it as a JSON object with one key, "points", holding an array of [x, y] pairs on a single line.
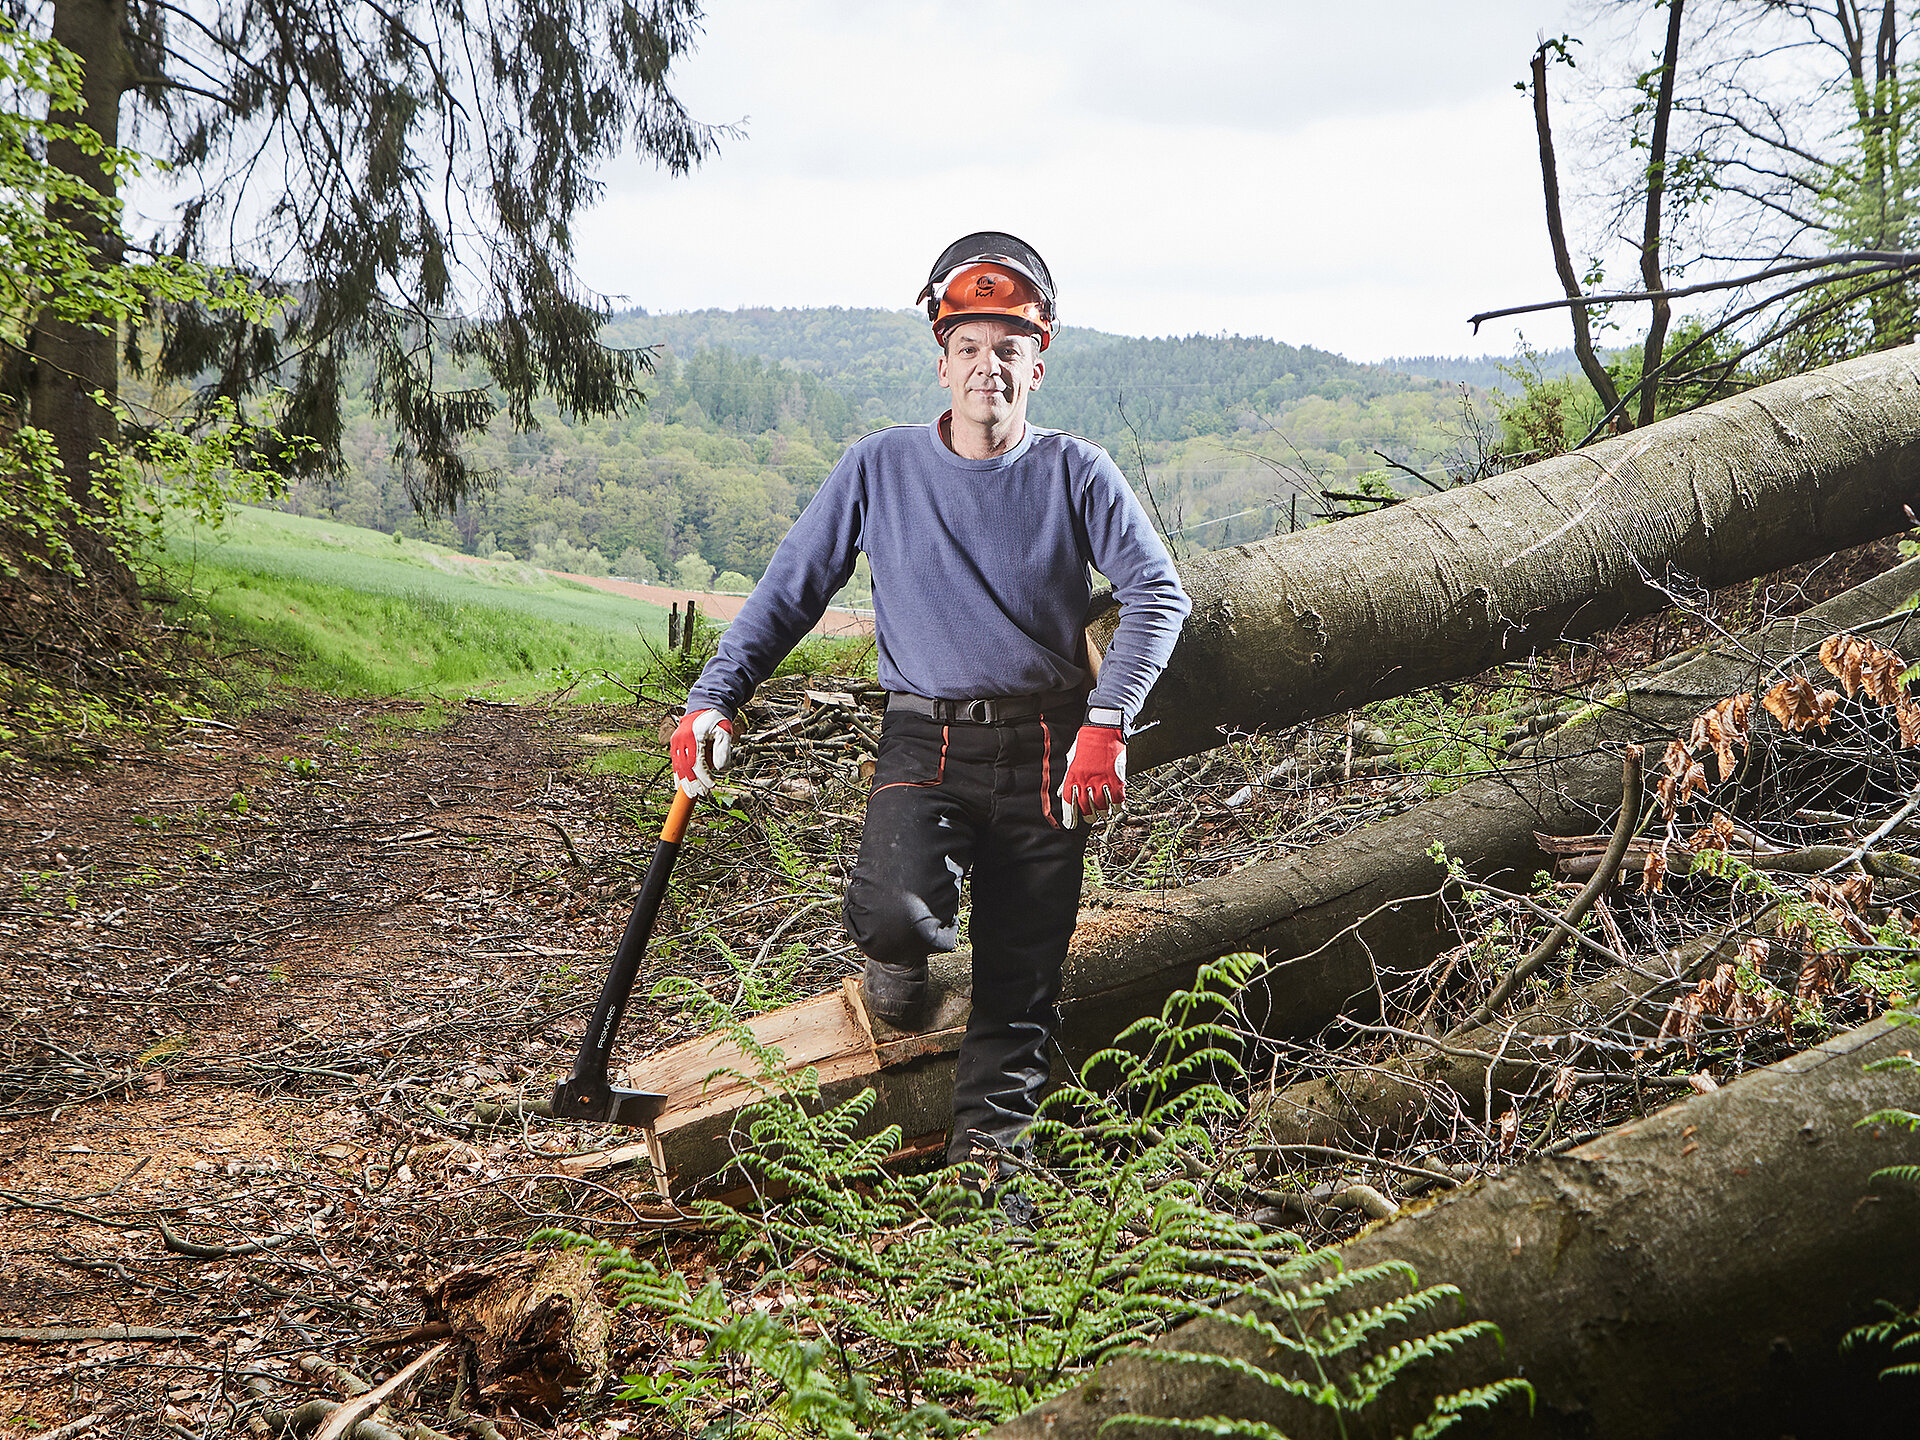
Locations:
{"points": [[1168, 389], [1483, 372], [880, 360], [1228, 437]]}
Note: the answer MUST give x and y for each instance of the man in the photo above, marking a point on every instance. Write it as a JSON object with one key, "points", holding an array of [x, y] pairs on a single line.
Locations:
{"points": [[979, 529]]}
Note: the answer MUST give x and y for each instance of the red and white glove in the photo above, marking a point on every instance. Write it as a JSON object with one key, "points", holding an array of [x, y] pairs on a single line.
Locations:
{"points": [[702, 746], [1096, 774]]}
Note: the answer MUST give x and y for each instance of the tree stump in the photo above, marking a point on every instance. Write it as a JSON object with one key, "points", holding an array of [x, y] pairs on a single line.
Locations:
{"points": [[535, 1324]]}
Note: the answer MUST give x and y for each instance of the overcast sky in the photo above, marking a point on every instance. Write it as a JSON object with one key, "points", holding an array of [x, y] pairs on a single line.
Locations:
{"points": [[1356, 178]]}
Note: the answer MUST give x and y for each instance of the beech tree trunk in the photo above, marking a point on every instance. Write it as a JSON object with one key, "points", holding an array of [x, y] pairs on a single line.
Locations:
{"points": [[1442, 586], [1690, 1274], [1330, 914]]}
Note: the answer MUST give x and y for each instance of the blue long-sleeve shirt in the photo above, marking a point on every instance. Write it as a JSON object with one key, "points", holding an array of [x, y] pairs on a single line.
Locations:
{"points": [[980, 573]]}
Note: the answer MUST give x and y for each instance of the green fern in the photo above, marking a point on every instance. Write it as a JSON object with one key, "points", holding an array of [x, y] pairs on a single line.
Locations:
{"points": [[916, 1310], [1902, 1118], [911, 1309], [1449, 1410], [1322, 1347], [1899, 1332]]}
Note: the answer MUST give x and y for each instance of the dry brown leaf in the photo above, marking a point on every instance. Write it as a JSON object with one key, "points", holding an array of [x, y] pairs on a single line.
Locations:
{"points": [[1564, 1080], [1818, 972], [1703, 1083], [1880, 676], [1676, 761], [1682, 1020], [1722, 728], [1653, 878], [1862, 666], [1908, 715], [1717, 834], [1684, 775], [1837, 655], [1837, 901], [1857, 890], [1796, 704], [1719, 996], [1509, 1130]]}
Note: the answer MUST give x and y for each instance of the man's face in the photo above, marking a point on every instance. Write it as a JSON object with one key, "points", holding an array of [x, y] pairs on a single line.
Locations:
{"points": [[991, 367]]}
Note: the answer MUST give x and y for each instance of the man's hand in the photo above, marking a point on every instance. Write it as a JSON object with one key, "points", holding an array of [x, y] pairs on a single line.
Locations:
{"points": [[1096, 774], [702, 746]]}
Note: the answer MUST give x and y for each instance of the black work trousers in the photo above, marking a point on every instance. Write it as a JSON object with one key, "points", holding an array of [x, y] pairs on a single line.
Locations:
{"points": [[959, 800]]}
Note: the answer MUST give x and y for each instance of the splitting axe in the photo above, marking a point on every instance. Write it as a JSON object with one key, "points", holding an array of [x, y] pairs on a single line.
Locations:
{"points": [[587, 1094]]}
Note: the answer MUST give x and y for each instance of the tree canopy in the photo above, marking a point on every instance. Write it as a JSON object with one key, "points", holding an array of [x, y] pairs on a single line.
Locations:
{"points": [[407, 175]]}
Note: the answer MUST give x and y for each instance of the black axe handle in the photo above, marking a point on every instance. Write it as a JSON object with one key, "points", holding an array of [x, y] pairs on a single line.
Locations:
{"points": [[587, 1095]]}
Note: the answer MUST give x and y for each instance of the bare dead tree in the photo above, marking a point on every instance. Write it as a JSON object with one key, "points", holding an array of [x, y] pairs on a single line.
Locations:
{"points": [[1650, 234], [1590, 364]]}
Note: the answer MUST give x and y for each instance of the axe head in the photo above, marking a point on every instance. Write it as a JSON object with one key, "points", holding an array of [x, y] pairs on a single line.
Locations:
{"points": [[606, 1104]]}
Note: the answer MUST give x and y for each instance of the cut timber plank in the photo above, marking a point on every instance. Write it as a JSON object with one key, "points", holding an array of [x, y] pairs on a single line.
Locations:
{"points": [[708, 1081], [712, 1075]]}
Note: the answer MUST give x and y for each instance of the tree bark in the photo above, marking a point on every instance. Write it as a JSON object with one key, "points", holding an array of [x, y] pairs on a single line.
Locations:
{"points": [[1690, 1274], [72, 359], [1446, 585], [1329, 915]]}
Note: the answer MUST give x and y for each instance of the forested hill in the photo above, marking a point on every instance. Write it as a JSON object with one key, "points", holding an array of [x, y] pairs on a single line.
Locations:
{"points": [[1170, 389], [1487, 372]]}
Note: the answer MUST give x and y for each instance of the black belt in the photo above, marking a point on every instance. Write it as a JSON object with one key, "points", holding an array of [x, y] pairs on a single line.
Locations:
{"points": [[996, 710]]}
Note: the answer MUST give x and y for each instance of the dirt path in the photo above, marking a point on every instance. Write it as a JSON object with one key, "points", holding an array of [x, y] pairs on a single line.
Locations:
{"points": [[247, 981]]}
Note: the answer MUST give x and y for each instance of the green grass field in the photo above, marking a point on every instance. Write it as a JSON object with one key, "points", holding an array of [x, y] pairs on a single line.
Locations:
{"points": [[348, 611]]}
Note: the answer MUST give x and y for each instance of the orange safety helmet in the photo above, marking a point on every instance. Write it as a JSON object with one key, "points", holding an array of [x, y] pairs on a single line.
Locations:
{"points": [[990, 274]]}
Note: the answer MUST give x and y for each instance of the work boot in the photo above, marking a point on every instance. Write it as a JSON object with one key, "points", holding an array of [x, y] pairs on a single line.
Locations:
{"points": [[987, 1183], [896, 994]]}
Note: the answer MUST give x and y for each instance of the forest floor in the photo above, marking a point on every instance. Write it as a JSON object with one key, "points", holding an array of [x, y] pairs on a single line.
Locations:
{"points": [[256, 980], [230, 962]]}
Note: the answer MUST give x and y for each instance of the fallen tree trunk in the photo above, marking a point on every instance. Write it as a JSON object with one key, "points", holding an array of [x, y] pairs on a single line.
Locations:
{"points": [[1327, 913], [1689, 1274], [1444, 586]]}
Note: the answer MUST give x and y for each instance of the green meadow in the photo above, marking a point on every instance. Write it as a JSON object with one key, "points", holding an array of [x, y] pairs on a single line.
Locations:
{"points": [[353, 612]]}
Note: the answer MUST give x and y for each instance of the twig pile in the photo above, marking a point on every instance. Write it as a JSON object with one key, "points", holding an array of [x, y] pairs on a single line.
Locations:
{"points": [[1747, 925]]}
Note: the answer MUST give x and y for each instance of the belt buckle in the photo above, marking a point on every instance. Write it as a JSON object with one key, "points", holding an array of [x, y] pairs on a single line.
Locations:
{"points": [[978, 712]]}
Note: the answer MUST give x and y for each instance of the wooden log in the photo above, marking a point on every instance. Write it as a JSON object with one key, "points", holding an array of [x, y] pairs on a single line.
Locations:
{"points": [[1443, 586], [1329, 914], [1690, 1274]]}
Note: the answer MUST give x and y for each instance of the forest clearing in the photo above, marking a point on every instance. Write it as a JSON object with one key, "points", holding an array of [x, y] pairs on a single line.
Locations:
{"points": [[1020, 859]]}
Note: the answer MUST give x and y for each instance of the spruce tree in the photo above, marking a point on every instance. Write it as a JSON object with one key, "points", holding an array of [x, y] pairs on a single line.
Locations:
{"points": [[408, 174]]}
